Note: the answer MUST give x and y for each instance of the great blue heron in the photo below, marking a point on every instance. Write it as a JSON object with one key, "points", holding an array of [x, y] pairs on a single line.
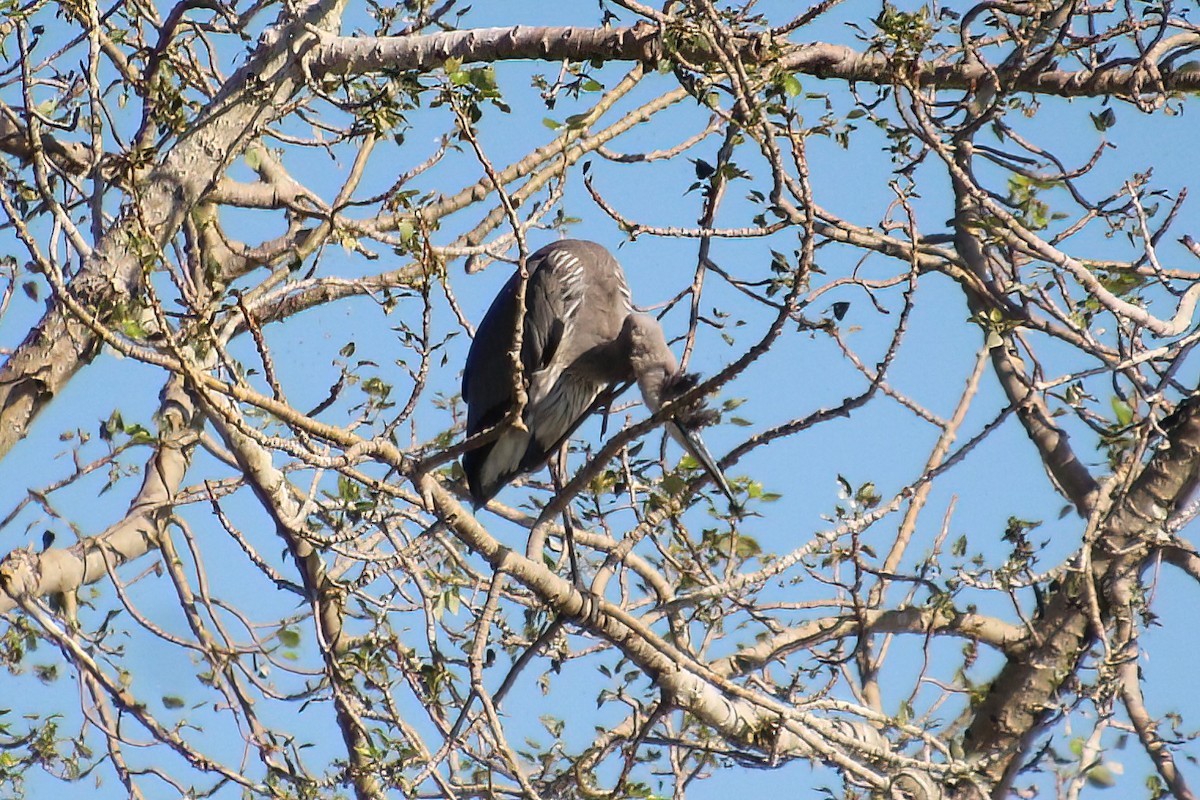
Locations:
{"points": [[581, 337]]}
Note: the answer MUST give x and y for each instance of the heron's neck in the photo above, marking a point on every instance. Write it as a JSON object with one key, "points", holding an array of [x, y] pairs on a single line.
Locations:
{"points": [[650, 359]]}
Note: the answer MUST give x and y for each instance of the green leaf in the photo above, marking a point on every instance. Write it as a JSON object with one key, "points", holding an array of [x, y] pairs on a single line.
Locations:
{"points": [[289, 637], [406, 231], [1123, 411], [744, 546], [867, 495], [672, 484], [1101, 777], [171, 701], [484, 79], [1104, 120], [791, 86]]}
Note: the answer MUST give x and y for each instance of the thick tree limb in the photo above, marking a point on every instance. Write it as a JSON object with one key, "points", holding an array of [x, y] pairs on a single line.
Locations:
{"points": [[352, 55], [1022, 697], [59, 344], [1068, 474]]}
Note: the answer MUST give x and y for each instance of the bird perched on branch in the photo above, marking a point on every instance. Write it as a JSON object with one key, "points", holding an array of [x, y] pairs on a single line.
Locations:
{"points": [[580, 338]]}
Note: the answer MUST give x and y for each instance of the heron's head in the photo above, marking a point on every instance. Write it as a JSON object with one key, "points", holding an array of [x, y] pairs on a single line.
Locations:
{"points": [[658, 375], [695, 413], [662, 381], [689, 417]]}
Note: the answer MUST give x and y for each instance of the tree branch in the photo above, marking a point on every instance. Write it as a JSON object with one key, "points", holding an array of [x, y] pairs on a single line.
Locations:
{"points": [[340, 55], [25, 574], [1022, 697], [59, 345]]}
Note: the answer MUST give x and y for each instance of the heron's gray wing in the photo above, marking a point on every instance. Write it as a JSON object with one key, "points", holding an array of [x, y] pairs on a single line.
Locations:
{"points": [[487, 390], [553, 299], [487, 378], [560, 395], [577, 308]]}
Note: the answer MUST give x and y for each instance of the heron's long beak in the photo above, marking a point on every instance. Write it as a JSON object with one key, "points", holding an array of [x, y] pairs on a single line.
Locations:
{"points": [[692, 442]]}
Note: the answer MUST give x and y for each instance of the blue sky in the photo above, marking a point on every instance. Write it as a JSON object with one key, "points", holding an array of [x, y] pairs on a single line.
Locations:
{"points": [[881, 443]]}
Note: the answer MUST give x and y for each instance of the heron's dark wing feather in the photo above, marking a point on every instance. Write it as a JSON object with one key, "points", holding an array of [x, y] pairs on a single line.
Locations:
{"points": [[487, 378], [540, 449], [483, 384], [487, 384], [552, 342], [552, 300]]}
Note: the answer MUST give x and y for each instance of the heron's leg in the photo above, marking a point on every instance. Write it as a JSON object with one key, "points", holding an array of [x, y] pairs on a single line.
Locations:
{"points": [[558, 473], [589, 614]]}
